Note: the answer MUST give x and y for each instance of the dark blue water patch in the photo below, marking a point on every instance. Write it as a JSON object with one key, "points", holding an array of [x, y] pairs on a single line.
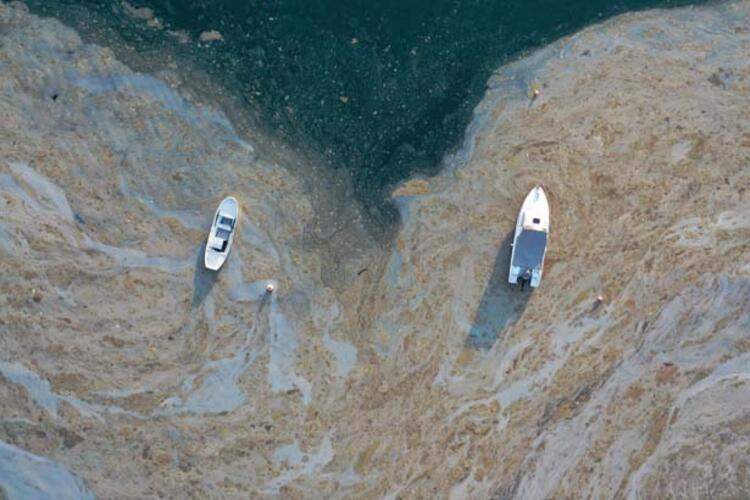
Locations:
{"points": [[382, 89]]}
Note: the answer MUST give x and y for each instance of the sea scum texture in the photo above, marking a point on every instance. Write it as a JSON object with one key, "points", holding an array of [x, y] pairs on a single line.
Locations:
{"points": [[403, 371]]}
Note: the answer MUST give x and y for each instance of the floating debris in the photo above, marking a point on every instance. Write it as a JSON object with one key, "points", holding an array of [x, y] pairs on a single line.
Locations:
{"points": [[143, 13], [211, 36]]}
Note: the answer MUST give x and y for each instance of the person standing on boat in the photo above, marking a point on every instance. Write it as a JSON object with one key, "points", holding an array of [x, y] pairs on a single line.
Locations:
{"points": [[525, 278]]}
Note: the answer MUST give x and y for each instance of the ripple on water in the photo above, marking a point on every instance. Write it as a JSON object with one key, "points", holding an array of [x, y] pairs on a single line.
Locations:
{"points": [[344, 353], [283, 343], [299, 463], [7, 242], [27, 476], [40, 390]]}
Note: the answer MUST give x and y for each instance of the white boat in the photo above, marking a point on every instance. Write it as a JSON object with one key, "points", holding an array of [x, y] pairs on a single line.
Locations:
{"points": [[222, 233], [530, 240]]}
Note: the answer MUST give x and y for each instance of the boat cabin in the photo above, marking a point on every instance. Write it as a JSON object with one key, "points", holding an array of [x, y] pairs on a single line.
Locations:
{"points": [[224, 228]]}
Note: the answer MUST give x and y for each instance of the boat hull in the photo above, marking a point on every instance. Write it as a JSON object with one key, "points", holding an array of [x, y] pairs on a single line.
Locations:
{"points": [[530, 239], [213, 259]]}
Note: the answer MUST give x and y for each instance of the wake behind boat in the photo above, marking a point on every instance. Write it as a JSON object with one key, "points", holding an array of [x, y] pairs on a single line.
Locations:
{"points": [[530, 240], [222, 233]]}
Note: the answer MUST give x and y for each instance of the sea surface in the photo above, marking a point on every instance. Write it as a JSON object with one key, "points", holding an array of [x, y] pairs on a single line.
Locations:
{"points": [[379, 89], [401, 367]]}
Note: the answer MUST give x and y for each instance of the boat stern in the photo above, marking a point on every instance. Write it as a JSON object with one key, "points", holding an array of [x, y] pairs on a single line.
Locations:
{"points": [[516, 276]]}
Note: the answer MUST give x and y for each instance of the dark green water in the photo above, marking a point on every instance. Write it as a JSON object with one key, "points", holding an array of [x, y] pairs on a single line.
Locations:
{"points": [[380, 88]]}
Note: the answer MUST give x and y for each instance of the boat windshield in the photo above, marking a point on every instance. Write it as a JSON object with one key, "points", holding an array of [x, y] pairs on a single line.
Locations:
{"points": [[222, 233], [529, 249], [226, 221]]}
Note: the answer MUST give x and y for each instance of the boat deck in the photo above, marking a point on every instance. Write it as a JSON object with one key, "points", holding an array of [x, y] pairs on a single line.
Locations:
{"points": [[529, 250]]}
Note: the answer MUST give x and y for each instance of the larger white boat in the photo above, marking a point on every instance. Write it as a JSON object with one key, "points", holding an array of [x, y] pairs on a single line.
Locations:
{"points": [[530, 240], [222, 233]]}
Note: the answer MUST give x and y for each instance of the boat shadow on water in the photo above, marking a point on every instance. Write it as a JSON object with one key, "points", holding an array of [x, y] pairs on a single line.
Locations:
{"points": [[203, 279], [500, 305]]}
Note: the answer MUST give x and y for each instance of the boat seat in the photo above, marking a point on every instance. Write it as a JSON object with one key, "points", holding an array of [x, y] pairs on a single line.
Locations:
{"points": [[218, 244]]}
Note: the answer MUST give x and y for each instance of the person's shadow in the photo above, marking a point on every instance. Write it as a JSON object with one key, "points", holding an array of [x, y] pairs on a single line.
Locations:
{"points": [[203, 280], [500, 305]]}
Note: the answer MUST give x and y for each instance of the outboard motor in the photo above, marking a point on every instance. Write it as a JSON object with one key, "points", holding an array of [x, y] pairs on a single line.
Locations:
{"points": [[525, 278]]}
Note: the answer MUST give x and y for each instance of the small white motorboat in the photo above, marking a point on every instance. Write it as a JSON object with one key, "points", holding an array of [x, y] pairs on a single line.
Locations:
{"points": [[530, 240], [222, 233]]}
